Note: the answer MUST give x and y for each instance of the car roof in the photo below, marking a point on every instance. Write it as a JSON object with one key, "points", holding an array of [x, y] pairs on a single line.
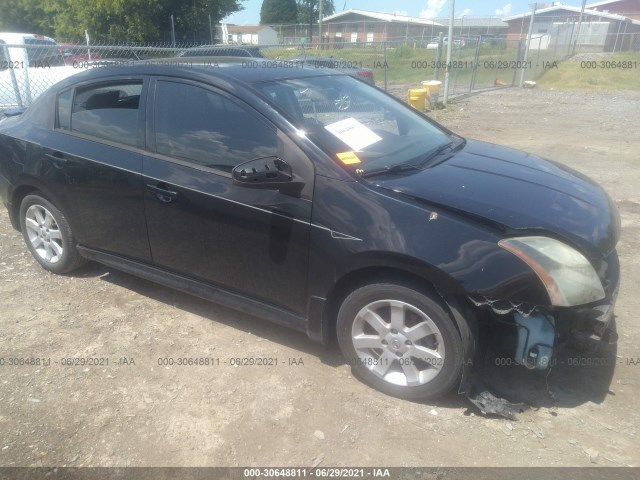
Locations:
{"points": [[15, 38], [230, 70]]}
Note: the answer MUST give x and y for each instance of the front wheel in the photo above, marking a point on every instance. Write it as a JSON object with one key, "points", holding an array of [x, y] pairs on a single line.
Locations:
{"points": [[400, 341], [48, 235]]}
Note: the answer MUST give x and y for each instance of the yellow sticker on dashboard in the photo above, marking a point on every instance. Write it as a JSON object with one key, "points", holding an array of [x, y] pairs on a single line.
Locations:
{"points": [[348, 158]]}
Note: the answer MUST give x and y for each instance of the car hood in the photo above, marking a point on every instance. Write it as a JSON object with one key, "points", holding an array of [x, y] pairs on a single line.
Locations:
{"points": [[518, 191]]}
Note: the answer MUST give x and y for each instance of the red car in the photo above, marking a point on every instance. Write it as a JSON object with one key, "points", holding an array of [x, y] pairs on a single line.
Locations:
{"points": [[74, 54]]}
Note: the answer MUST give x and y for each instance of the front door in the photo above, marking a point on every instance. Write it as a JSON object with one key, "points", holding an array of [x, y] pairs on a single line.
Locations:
{"points": [[250, 241]]}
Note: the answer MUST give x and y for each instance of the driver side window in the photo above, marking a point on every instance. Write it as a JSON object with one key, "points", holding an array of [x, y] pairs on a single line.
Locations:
{"points": [[206, 128]]}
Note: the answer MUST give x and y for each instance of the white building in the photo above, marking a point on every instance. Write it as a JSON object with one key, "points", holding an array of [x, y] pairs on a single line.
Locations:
{"points": [[252, 34]]}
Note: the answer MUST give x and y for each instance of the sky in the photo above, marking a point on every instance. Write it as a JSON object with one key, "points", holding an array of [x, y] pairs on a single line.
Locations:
{"points": [[413, 8]]}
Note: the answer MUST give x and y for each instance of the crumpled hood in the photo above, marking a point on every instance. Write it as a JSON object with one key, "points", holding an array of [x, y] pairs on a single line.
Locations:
{"points": [[519, 191]]}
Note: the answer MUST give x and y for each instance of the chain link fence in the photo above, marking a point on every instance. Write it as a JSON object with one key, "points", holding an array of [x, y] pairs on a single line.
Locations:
{"points": [[477, 62], [28, 69]]}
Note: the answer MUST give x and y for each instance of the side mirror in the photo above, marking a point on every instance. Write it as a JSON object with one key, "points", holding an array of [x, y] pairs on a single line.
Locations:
{"points": [[268, 172]]}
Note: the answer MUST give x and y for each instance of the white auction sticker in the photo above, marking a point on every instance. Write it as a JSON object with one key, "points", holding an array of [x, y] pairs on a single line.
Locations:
{"points": [[353, 133]]}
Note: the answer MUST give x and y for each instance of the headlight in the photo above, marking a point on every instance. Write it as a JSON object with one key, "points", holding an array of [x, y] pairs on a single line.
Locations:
{"points": [[566, 274]]}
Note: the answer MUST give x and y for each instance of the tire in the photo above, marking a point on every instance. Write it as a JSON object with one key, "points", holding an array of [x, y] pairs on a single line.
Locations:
{"points": [[400, 341], [48, 235]]}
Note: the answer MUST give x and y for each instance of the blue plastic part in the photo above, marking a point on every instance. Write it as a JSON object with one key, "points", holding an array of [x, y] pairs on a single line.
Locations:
{"points": [[536, 336]]}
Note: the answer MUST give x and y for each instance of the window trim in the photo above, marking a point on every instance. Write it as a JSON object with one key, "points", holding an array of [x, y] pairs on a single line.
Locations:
{"points": [[56, 120]]}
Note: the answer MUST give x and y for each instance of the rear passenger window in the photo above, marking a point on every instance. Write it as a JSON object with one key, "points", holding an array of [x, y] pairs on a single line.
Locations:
{"points": [[109, 112]]}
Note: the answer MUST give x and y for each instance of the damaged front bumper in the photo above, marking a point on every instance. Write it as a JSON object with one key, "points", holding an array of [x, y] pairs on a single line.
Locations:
{"points": [[533, 335], [542, 329]]}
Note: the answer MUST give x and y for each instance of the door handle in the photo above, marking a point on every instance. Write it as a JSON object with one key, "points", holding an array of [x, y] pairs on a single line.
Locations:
{"points": [[162, 193], [58, 160]]}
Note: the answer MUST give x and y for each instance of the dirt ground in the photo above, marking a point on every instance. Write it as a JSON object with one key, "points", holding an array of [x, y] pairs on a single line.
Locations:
{"points": [[135, 412]]}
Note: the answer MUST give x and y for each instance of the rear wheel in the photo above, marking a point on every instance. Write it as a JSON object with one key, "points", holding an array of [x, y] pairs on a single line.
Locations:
{"points": [[400, 341], [48, 235]]}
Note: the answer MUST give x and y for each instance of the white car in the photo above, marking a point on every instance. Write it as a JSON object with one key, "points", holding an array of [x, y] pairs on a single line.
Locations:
{"points": [[457, 43], [29, 65]]}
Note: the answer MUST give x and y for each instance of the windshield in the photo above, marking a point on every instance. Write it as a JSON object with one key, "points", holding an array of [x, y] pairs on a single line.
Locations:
{"points": [[358, 125]]}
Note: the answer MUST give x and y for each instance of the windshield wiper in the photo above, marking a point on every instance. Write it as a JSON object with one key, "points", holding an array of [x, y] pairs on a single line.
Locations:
{"points": [[436, 152], [400, 167], [426, 161], [430, 160]]}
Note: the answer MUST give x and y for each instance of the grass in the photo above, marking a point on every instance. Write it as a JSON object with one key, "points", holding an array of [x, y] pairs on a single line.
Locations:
{"points": [[573, 74], [408, 65]]}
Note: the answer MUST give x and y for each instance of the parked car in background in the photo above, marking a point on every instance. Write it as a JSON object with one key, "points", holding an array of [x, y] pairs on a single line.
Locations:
{"points": [[354, 69], [374, 225], [77, 54], [457, 43], [222, 51], [29, 64]]}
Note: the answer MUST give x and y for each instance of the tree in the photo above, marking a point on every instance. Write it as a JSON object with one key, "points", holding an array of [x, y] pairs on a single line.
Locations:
{"points": [[106, 20], [278, 12], [192, 16], [133, 20], [303, 10], [24, 16]]}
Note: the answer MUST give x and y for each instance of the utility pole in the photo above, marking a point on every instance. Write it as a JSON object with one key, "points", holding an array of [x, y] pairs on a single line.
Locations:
{"points": [[449, 46], [173, 33], [311, 22], [320, 21], [526, 51], [575, 42]]}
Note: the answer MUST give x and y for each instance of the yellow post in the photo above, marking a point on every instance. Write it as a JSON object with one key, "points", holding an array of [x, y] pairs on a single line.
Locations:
{"points": [[432, 87], [416, 98]]}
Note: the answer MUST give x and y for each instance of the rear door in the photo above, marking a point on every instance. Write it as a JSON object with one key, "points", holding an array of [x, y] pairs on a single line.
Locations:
{"points": [[92, 165], [249, 241]]}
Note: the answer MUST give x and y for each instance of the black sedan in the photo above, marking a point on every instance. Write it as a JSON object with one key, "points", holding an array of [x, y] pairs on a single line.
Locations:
{"points": [[373, 225]]}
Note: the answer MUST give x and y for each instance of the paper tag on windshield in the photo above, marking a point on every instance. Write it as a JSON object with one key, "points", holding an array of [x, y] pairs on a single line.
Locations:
{"points": [[348, 158], [353, 133]]}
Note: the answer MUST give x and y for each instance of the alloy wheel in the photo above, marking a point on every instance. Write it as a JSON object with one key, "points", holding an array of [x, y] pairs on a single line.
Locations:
{"points": [[398, 343], [44, 233]]}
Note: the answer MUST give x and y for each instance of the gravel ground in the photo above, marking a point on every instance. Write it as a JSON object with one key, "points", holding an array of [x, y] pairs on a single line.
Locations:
{"points": [[134, 412]]}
